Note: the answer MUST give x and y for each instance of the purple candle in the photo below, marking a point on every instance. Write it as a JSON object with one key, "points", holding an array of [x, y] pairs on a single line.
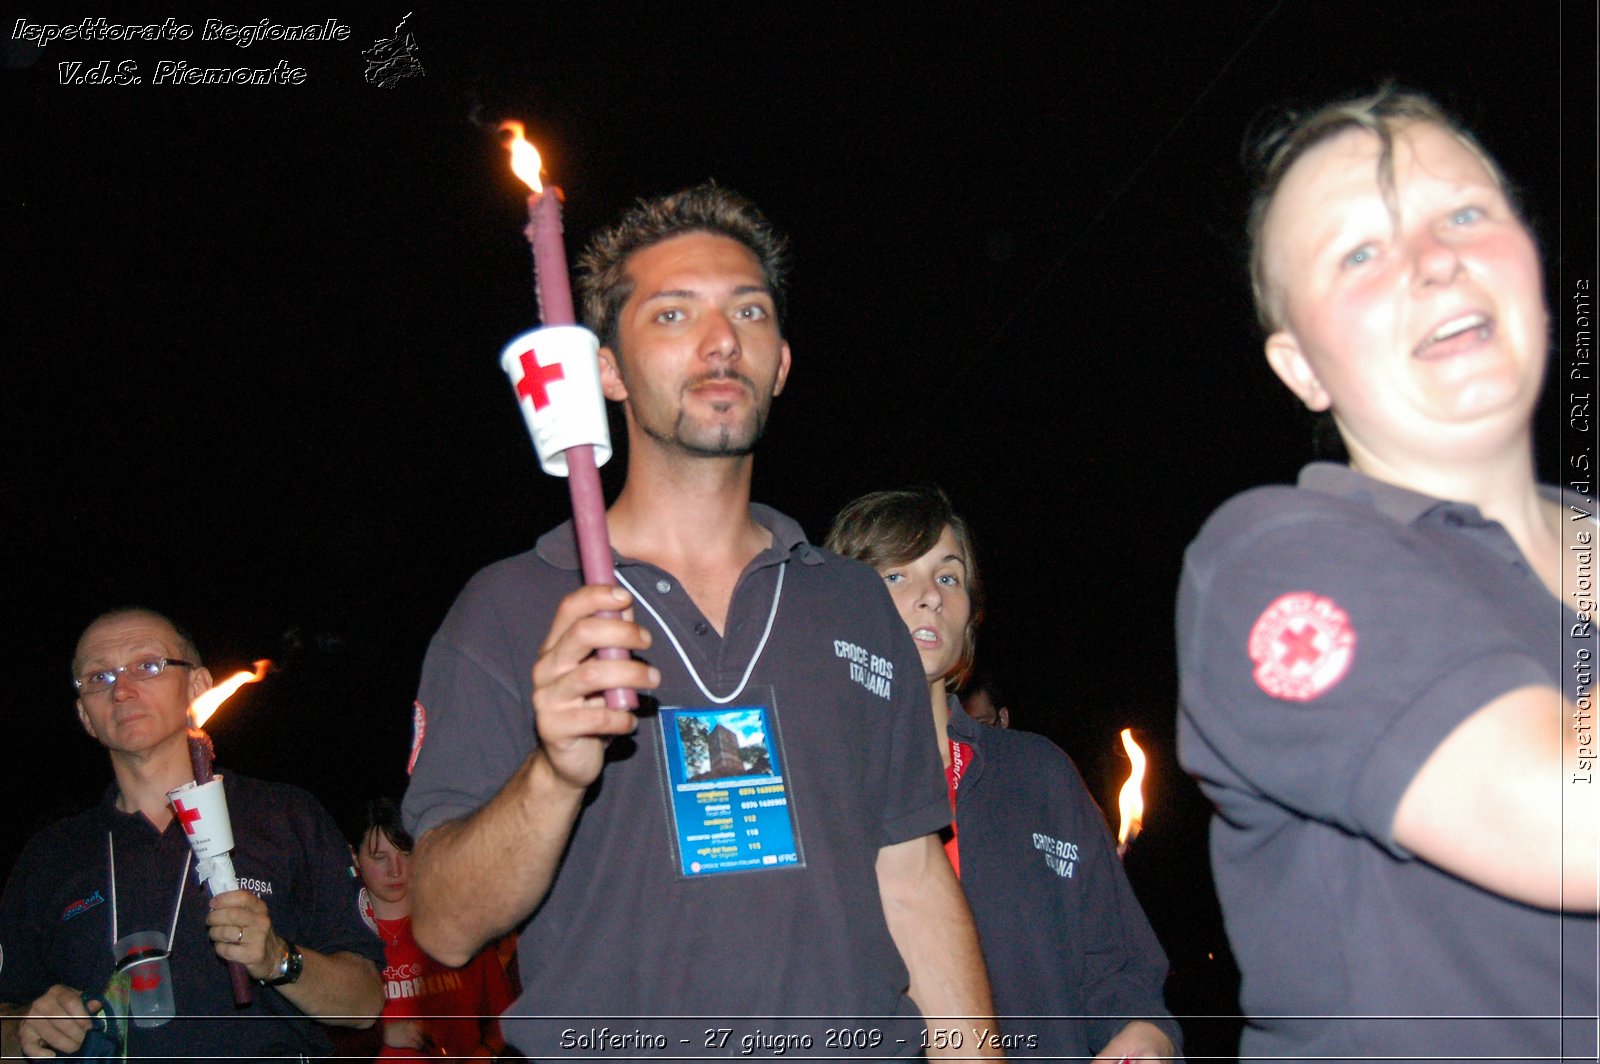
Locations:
{"points": [[553, 291]]}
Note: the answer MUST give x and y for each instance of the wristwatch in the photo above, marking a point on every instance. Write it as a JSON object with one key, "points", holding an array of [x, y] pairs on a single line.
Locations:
{"points": [[290, 962]]}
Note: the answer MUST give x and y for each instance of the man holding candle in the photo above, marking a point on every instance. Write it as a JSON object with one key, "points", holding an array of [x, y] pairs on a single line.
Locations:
{"points": [[732, 617], [125, 866]]}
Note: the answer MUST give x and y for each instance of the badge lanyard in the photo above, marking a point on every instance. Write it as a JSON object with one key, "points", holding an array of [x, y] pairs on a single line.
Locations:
{"points": [[694, 674], [172, 931]]}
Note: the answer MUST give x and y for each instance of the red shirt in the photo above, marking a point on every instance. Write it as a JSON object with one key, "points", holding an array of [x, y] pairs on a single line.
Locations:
{"points": [[460, 1003]]}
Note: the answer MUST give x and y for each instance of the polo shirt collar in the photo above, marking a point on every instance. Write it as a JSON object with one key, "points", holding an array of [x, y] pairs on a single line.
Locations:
{"points": [[964, 729], [1399, 504], [116, 818], [559, 546], [961, 725]]}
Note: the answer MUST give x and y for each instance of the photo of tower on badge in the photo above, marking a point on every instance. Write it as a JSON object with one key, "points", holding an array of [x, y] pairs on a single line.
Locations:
{"points": [[729, 801], [721, 745]]}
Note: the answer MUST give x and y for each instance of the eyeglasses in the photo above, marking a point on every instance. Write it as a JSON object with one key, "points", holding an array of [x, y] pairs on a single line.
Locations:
{"points": [[93, 683]]}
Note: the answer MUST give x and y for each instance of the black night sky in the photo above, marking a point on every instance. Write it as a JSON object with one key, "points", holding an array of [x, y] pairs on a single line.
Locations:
{"points": [[250, 332]]}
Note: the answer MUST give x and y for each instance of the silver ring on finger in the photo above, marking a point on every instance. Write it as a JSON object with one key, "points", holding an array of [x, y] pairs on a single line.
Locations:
{"points": [[240, 938]]}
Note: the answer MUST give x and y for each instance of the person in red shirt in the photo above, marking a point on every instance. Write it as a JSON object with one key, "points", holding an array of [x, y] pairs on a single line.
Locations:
{"points": [[429, 1008]]}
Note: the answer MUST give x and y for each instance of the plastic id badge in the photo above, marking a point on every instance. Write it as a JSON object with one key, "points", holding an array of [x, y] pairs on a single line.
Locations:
{"points": [[732, 810]]}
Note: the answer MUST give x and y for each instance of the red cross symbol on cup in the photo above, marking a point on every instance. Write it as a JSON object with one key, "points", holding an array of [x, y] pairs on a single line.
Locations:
{"points": [[186, 816], [535, 377]]}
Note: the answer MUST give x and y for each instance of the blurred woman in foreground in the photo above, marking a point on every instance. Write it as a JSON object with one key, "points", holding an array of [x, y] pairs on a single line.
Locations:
{"points": [[1377, 665]]}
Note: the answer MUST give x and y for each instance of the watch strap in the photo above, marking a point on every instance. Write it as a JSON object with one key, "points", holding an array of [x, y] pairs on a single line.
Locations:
{"points": [[289, 966]]}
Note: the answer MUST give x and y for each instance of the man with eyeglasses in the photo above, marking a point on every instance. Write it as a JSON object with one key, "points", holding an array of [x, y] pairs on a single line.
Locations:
{"points": [[124, 866]]}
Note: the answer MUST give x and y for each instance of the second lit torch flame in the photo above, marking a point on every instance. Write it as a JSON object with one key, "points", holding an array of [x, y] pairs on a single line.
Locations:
{"points": [[1130, 801], [215, 864], [201, 709], [525, 161]]}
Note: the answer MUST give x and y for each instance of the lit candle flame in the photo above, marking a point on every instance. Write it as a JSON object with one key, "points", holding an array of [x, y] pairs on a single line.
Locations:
{"points": [[1130, 801], [525, 161], [201, 708]]}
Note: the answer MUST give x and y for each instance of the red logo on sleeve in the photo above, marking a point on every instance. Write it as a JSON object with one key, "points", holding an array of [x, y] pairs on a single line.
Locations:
{"points": [[1301, 645], [419, 728]]}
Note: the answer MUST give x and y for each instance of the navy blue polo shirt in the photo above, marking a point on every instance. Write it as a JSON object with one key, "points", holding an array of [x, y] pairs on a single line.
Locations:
{"points": [[623, 933], [56, 915], [1330, 636], [1071, 955]]}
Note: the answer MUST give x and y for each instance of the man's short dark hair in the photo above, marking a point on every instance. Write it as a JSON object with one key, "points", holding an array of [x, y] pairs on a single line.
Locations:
{"points": [[983, 682], [603, 281]]}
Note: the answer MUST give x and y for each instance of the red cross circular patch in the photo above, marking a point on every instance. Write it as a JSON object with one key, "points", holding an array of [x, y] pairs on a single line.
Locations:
{"points": [[1301, 645], [364, 907]]}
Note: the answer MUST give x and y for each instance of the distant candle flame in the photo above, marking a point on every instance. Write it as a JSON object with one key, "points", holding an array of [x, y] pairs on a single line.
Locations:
{"points": [[525, 161], [1130, 801], [201, 708]]}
